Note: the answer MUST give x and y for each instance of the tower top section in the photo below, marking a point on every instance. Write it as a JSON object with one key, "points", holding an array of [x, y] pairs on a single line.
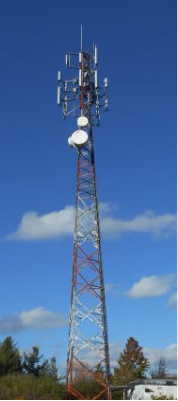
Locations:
{"points": [[82, 96]]}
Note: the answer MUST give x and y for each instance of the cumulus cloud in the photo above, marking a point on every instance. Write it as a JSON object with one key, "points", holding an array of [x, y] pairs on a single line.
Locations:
{"points": [[169, 353], [173, 300], [60, 224], [50, 225], [147, 222], [38, 318], [151, 286]]}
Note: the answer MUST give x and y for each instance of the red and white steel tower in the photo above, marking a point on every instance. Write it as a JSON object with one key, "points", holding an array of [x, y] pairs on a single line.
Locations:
{"points": [[88, 351]]}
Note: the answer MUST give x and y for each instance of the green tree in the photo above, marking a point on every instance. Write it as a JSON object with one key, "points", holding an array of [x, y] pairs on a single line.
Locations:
{"points": [[49, 368], [29, 387], [31, 363], [132, 363], [53, 371], [10, 359]]}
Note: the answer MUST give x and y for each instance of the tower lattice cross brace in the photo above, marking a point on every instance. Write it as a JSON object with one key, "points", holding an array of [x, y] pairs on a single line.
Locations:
{"points": [[88, 354]]}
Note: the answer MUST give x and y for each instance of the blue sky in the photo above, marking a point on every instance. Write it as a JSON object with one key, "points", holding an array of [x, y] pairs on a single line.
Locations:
{"points": [[135, 152]]}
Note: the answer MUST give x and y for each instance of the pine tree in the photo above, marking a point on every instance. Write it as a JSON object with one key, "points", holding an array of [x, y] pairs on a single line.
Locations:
{"points": [[53, 372], [132, 363], [31, 364], [10, 359]]}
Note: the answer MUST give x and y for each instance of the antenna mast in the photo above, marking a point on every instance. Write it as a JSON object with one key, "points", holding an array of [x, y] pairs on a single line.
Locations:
{"points": [[88, 353], [81, 38]]}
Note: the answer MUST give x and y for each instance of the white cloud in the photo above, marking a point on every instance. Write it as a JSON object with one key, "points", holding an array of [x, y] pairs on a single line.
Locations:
{"points": [[114, 352], [61, 223], [41, 318], [109, 287], [173, 300], [147, 222], [112, 288], [51, 225], [38, 318], [151, 286], [169, 353], [106, 207]]}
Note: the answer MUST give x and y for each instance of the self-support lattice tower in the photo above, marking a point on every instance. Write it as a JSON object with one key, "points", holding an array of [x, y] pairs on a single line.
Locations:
{"points": [[88, 354]]}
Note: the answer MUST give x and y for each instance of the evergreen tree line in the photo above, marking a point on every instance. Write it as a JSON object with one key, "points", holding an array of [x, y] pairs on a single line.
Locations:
{"points": [[30, 376]]}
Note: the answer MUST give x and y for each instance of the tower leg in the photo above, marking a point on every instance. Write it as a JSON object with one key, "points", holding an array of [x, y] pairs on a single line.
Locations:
{"points": [[88, 369]]}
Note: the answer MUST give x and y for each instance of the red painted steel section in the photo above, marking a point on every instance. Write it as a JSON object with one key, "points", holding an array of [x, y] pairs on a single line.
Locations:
{"points": [[83, 260]]}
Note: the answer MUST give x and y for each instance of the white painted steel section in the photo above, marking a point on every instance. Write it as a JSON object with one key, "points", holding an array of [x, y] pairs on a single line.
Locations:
{"points": [[59, 76], [96, 78], [80, 77], [96, 55], [58, 95]]}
